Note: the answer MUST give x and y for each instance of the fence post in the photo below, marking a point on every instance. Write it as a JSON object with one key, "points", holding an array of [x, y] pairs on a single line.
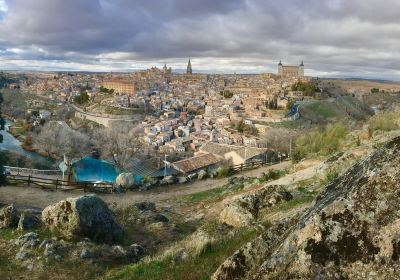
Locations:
{"points": [[29, 180], [241, 167], [56, 184]]}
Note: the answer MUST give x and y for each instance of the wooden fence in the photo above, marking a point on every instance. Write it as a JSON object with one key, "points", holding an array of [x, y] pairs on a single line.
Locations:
{"points": [[57, 184]]}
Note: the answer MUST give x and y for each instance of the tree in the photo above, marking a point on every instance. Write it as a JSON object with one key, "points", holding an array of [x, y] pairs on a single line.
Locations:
{"points": [[227, 94], [240, 126], [308, 88], [120, 142], [82, 98], [57, 139], [290, 104]]}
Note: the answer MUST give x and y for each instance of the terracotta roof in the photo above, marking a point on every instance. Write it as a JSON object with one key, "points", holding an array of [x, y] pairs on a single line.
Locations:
{"points": [[222, 149], [197, 162]]}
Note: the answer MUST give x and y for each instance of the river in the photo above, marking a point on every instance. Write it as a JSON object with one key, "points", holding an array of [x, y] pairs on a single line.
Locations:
{"points": [[12, 144]]}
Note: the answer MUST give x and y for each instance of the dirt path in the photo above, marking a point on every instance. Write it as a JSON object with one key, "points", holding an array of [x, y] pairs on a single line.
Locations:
{"points": [[35, 197], [306, 170]]}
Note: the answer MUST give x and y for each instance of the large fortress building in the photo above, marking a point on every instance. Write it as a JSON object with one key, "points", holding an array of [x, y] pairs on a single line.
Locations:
{"points": [[120, 86], [290, 71]]}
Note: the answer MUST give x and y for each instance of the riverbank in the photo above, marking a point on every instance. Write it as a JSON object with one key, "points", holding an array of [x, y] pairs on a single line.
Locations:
{"points": [[16, 154]]}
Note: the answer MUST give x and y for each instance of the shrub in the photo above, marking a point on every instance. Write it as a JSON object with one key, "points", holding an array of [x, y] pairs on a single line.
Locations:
{"points": [[320, 142], [330, 176], [223, 172], [126, 215]]}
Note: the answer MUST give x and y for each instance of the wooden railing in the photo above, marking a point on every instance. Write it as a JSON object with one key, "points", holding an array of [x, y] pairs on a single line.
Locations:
{"points": [[57, 184], [20, 170], [256, 164]]}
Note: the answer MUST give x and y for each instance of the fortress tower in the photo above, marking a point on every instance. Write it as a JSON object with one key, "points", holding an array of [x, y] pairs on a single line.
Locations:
{"points": [[291, 71]]}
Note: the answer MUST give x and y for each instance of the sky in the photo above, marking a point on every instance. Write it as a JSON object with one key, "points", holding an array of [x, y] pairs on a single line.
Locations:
{"points": [[335, 38]]}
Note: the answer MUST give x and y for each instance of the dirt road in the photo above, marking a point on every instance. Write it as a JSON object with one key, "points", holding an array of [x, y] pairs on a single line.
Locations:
{"points": [[35, 197]]}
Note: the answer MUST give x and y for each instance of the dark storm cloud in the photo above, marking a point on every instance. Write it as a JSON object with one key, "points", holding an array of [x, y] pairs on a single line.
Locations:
{"points": [[336, 37]]}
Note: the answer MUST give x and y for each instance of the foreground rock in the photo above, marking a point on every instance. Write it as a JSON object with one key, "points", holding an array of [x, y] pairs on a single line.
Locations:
{"points": [[8, 216], [244, 210], [351, 232], [84, 216]]}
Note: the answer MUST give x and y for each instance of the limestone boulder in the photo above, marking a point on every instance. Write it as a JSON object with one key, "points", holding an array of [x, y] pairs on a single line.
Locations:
{"points": [[182, 180], [83, 216], [202, 174], [244, 210], [125, 180], [9, 216]]}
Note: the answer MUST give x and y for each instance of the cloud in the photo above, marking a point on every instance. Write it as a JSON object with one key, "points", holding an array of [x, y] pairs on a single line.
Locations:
{"points": [[338, 37]]}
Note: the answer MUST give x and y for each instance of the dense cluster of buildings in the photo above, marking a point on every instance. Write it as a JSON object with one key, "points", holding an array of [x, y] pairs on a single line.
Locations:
{"points": [[188, 110]]}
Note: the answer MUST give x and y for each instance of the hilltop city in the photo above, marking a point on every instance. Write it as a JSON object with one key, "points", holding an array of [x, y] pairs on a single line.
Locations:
{"points": [[170, 174]]}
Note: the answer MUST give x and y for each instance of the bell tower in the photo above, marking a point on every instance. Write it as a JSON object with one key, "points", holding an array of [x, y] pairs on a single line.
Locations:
{"points": [[189, 68]]}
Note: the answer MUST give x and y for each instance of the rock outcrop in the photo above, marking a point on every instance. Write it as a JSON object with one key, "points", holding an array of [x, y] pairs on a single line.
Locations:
{"points": [[84, 216], [351, 232], [245, 209], [8, 217]]}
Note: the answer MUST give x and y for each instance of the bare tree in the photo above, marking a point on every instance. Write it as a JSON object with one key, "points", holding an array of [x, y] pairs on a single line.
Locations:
{"points": [[279, 139], [120, 142], [57, 139]]}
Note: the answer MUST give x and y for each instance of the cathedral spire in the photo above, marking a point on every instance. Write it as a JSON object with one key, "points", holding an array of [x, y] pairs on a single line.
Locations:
{"points": [[189, 67]]}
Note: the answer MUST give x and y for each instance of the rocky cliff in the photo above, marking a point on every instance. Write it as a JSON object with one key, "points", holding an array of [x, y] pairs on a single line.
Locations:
{"points": [[352, 231]]}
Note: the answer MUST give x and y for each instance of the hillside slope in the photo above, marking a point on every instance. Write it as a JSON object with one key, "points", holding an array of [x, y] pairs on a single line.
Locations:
{"points": [[351, 231], [341, 108]]}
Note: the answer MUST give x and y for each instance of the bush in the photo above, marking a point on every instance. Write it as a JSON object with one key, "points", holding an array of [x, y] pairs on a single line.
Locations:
{"points": [[320, 142], [223, 172], [273, 175]]}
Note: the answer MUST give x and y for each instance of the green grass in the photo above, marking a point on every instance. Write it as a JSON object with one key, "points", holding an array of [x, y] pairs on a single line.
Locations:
{"points": [[288, 124], [8, 233], [294, 203], [200, 267], [323, 109], [204, 195], [8, 269]]}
